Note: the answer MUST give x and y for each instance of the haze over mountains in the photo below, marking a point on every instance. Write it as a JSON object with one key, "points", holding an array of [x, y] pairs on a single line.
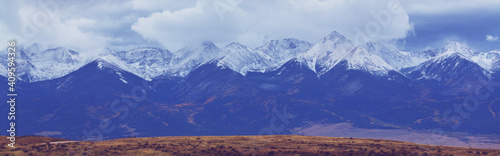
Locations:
{"points": [[237, 90]]}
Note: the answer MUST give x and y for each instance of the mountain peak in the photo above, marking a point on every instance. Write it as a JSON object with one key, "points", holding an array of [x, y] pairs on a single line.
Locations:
{"points": [[327, 53], [284, 50], [199, 47], [243, 59], [235, 45], [143, 48], [334, 36], [335, 48], [208, 44], [451, 68], [286, 43], [34, 48], [456, 47], [455, 44], [291, 40]]}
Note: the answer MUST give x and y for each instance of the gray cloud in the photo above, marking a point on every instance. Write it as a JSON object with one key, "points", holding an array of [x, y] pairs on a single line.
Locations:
{"points": [[438, 22], [173, 24], [254, 22]]}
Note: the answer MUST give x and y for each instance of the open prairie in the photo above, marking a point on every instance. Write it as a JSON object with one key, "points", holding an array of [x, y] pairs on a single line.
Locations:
{"points": [[232, 145]]}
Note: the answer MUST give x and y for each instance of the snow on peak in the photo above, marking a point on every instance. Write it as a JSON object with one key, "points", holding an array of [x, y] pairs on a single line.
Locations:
{"points": [[33, 49], [112, 62], [396, 58], [445, 67], [242, 59], [51, 63], [486, 60], [456, 45], [328, 52], [190, 57], [284, 50], [197, 50], [36, 63], [449, 55], [235, 56], [361, 59], [145, 48], [333, 36], [236, 46], [335, 48], [462, 48], [146, 62]]}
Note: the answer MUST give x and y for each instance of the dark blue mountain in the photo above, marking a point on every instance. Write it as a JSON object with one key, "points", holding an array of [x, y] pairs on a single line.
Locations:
{"points": [[99, 97], [214, 100], [450, 75]]}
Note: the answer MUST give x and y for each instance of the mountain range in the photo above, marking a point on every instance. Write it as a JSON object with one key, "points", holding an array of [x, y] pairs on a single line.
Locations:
{"points": [[237, 90], [37, 63]]}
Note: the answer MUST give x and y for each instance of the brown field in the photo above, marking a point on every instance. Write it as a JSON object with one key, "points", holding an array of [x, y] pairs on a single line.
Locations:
{"points": [[232, 145]]}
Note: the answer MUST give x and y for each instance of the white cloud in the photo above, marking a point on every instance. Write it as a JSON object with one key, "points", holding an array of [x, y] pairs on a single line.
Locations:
{"points": [[254, 22], [491, 38], [81, 22], [53, 30], [158, 5]]}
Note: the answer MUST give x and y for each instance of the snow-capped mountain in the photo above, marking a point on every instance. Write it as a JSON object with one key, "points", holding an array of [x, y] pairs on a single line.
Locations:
{"points": [[488, 60], [449, 66], [495, 63], [450, 73], [62, 59], [484, 59], [33, 49], [190, 57], [456, 66], [146, 62], [334, 81], [36, 63], [235, 56], [396, 58], [461, 48], [242, 59], [284, 50], [335, 48], [422, 59]]}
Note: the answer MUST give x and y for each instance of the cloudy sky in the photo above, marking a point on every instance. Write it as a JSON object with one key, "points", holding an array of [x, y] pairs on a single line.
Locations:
{"points": [[172, 24]]}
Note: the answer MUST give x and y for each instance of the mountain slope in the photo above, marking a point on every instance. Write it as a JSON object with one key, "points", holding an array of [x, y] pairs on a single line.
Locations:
{"points": [[97, 93], [453, 70]]}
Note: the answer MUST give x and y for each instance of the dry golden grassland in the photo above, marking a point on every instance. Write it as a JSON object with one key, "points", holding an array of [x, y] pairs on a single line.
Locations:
{"points": [[232, 145]]}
